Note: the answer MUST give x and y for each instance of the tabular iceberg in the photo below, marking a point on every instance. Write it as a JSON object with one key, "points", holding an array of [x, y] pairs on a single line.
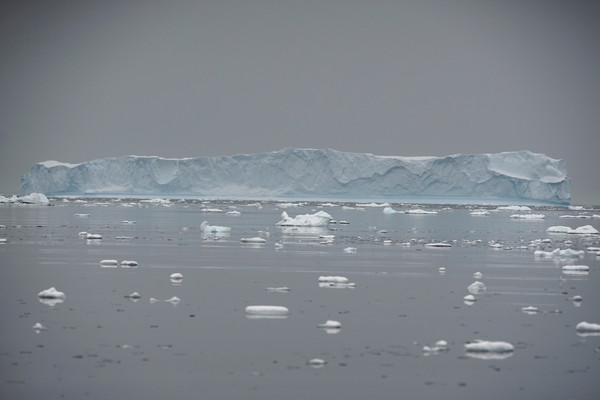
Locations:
{"points": [[516, 176]]}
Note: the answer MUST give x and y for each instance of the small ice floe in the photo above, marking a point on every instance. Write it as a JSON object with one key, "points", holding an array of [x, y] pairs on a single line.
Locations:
{"points": [[211, 210], [489, 350], [577, 299], [558, 253], [82, 215], [335, 282], [440, 346], [123, 237], [253, 240], [513, 208], [476, 287], [3, 240], [173, 300], [331, 327], [350, 250], [469, 299], [129, 264], [531, 310], [109, 263], [38, 199], [320, 218], [479, 213], [279, 289], [51, 293], [176, 277], [333, 279], [582, 230], [388, 242], [93, 236], [390, 210], [269, 312], [213, 229], [477, 275], [127, 222], [133, 296], [528, 216], [316, 363], [344, 222], [233, 212], [575, 268], [278, 245], [588, 329], [326, 239], [418, 211], [438, 244], [39, 327], [593, 249], [442, 270]]}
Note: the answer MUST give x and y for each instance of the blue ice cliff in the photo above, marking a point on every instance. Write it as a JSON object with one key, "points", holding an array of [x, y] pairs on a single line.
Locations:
{"points": [[327, 174]]}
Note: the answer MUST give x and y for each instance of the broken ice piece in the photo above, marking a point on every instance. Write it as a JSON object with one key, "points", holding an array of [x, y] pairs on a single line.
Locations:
{"points": [[39, 327]]}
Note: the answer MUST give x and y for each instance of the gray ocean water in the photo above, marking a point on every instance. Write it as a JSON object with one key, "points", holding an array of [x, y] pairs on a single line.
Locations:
{"points": [[98, 344]]}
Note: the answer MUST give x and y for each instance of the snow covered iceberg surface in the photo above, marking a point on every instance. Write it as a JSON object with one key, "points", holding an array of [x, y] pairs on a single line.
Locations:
{"points": [[516, 176]]}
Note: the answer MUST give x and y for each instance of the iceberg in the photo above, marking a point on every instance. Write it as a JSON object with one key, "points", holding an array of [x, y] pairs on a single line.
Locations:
{"points": [[320, 218], [522, 177]]}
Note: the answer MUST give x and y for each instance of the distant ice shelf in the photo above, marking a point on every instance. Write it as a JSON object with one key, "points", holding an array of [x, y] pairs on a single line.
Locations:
{"points": [[503, 178]]}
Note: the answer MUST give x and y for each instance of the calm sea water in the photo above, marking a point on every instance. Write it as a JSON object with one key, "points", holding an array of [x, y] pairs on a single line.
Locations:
{"points": [[99, 344]]}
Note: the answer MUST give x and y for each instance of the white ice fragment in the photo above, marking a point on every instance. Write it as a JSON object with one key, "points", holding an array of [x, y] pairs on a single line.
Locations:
{"points": [[93, 236], [390, 210], [442, 270], [528, 216], [267, 310], [108, 263], [476, 287], [127, 222], [129, 263], [320, 218], [588, 327], [280, 289], [350, 250], [316, 363], [575, 268], [582, 230], [469, 298], [513, 208], [477, 275], [333, 279], [39, 327], [212, 229], [82, 215], [3, 240], [438, 244], [418, 211], [484, 346], [176, 276], [479, 213], [134, 295], [344, 222], [253, 240], [558, 253], [233, 212], [577, 299], [278, 245], [530, 310], [331, 324], [51, 293], [441, 343], [173, 300]]}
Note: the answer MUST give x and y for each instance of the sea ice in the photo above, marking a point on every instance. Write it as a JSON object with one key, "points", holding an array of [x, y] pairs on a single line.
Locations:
{"points": [[390, 210], [82, 215], [484, 346], [575, 268], [176, 276], [530, 310], [331, 324], [350, 250], [469, 298], [476, 287], [320, 218], [280, 289], [588, 327], [253, 240], [558, 253], [210, 229], [478, 275], [438, 244], [267, 310], [479, 213], [582, 230], [129, 263], [317, 363], [51, 293], [528, 216], [333, 279], [108, 263], [39, 327], [134, 296], [513, 208], [93, 236], [418, 211]]}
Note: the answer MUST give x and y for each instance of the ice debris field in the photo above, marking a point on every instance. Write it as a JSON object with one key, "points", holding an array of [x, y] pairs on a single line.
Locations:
{"points": [[339, 299]]}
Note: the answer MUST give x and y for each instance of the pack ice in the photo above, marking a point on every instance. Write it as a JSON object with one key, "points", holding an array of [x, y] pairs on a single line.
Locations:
{"points": [[522, 176]]}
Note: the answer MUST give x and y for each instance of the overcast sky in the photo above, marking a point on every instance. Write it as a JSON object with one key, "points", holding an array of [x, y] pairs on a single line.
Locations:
{"points": [[81, 80]]}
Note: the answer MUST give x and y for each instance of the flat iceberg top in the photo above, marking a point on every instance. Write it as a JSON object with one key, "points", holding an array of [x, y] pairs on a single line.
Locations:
{"points": [[310, 173]]}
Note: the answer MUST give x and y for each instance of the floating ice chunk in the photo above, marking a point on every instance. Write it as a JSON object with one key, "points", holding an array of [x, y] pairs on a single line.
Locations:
{"points": [[575, 268], [280, 289], [477, 275], [530, 310], [582, 230], [558, 229], [133, 296], [267, 310], [513, 208], [51, 293], [82, 215], [390, 210], [438, 244], [320, 218], [176, 276], [212, 229], [484, 346], [440, 346], [39, 327], [333, 279], [558, 253], [278, 245], [331, 324], [577, 299], [593, 249], [129, 263], [373, 205], [253, 240], [418, 211], [109, 263], [344, 222], [469, 298], [127, 222], [479, 213], [317, 363], [476, 287], [123, 237], [387, 242], [442, 270], [587, 329], [234, 212], [350, 250], [173, 300], [528, 216], [33, 198], [3, 240], [93, 236]]}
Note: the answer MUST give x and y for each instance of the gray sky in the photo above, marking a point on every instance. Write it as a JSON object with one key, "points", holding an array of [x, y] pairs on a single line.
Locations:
{"points": [[82, 80]]}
